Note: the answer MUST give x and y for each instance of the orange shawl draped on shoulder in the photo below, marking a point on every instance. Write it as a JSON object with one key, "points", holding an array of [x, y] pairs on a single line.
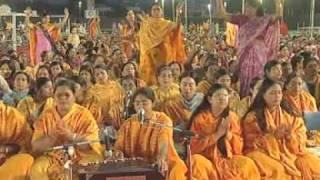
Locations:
{"points": [[14, 127], [54, 33], [284, 151], [303, 102], [204, 87], [231, 166], [136, 140], [111, 96], [79, 120], [161, 42]]}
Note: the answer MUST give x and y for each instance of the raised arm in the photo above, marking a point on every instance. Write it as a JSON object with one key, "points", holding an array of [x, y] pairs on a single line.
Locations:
{"points": [[279, 8], [221, 11], [65, 19], [28, 14]]}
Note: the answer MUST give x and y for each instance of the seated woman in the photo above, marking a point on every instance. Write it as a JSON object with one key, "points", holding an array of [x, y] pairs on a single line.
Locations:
{"points": [[155, 144], [56, 68], [243, 106], [86, 72], [300, 100], [43, 72], [89, 101], [273, 70], [275, 137], [21, 86], [15, 136], [33, 106], [130, 69], [222, 143], [109, 92], [65, 123], [166, 88], [209, 79], [223, 77], [177, 70]]}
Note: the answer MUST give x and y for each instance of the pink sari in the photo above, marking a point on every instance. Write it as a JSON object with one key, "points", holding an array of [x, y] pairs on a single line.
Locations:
{"points": [[43, 44], [258, 43]]}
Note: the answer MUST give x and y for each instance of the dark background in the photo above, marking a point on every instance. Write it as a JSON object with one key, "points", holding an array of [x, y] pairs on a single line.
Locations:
{"points": [[297, 12]]}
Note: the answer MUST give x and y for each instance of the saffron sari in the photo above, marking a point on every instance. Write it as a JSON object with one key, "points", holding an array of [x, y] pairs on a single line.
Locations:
{"points": [[231, 165], [160, 43], [280, 159], [258, 42], [14, 129], [136, 140], [79, 120]]}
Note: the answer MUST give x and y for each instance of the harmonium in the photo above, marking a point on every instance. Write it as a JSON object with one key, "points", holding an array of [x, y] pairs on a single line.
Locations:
{"points": [[124, 169]]}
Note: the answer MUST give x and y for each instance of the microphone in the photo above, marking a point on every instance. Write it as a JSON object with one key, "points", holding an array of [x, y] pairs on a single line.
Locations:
{"points": [[108, 152], [141, 117], [106, 139], [127, 101]]}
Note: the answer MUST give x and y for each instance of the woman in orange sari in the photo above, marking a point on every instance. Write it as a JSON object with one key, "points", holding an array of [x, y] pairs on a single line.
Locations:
{"points": [[130, 69], [161, 42], [43, 35], [243, 106], [89, 101], [275, 137], [32, 106], [300, 100], [15, 135], [155, 144], [223, 77], [109, 92], [129, 33], [222, 142], [65, 123], [166, 88]]}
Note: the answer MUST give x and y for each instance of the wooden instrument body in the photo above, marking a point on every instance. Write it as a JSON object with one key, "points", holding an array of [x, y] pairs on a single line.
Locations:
{"points": [[127, 169]]}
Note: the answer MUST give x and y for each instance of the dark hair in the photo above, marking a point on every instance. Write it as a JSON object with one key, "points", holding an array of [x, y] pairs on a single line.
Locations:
{"points": [[256, 4], [87, 67], [175, 62], [163, 68], [43, 67], [205, 106], [56, 63], [289, 78], [101, 66], [306, 61], [134, 66], [269, 65], [23, 73], [146, 92], [10, 65], [44, 13], [295, 60], [65, 82], [221, 72], [189, 74], [254, 81], [259, 104], [79, 80], [41, 82]]}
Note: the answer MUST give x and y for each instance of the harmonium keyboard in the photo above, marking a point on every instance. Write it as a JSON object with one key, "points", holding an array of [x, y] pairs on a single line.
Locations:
{"points": [[124, 169]]}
